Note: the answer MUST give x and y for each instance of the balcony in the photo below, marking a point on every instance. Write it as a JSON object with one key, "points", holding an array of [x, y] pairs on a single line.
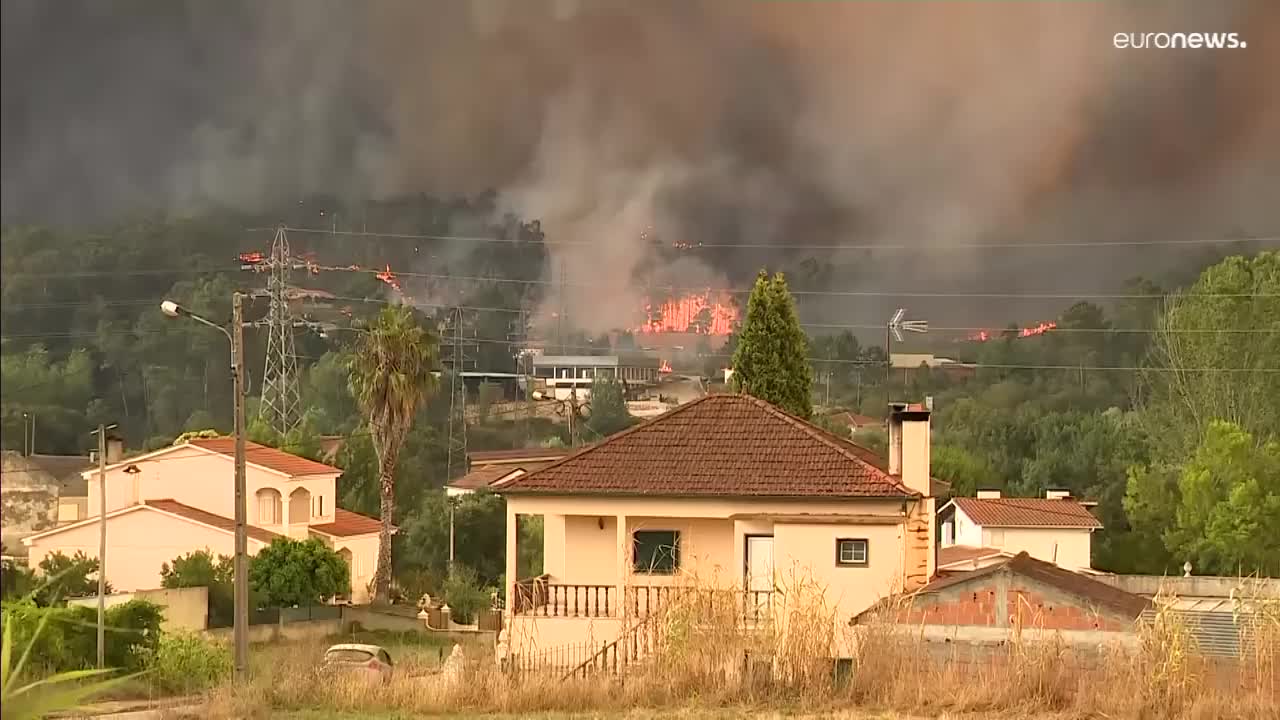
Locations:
{"points": [[539, 597]]}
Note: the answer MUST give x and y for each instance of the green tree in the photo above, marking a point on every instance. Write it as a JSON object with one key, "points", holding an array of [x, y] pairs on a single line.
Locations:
{"points": [[390, 378], [772, 358], [298, 573], [68, 577], [609, 412], [965, 470], [200, 568], [1221, 510], [479, 522], [1201, 373]]}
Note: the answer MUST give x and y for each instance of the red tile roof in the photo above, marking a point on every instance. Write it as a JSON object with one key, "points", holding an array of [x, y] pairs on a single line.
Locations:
{"points": [[486, 475], [725, 445], [1072, 583], [487, 457], [346, 523], [954, 554], [1027, 512], [207, 518], [267, 457]]}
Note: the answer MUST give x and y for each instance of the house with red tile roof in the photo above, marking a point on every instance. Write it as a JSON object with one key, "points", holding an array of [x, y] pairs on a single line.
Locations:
{"points": [[1015, 592], [727, 492], [181, 498], [978, 531]]}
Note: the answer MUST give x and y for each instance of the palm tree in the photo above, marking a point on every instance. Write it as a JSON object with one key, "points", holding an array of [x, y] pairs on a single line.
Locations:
{"points": [[390, 377]]}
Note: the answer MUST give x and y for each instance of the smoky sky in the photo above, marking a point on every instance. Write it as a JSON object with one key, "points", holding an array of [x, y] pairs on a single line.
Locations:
{"points": [[779, 123]]}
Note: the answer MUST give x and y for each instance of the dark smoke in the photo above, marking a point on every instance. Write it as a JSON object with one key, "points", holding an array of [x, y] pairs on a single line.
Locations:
{"points": [[755, 122]]}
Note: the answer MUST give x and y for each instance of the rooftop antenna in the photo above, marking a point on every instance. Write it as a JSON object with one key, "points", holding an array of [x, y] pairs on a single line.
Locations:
{"points": [[893, 331]]}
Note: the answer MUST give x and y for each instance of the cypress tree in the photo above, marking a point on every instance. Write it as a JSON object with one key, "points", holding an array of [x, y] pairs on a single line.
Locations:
{"points": [[772, 358]]}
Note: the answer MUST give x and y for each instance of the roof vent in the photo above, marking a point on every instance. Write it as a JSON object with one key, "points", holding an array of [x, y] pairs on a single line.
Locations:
{"points": [[988, 494]]}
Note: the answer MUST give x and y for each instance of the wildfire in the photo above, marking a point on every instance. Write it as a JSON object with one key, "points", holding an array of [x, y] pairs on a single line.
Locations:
{"points": [[388, 277], [252, 258], [1039, 329], [694, 313], [665, 367]]}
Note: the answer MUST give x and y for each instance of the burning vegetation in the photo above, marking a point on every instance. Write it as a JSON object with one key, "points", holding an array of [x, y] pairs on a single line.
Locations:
{"points": [[698, 313], [1039, 329]]}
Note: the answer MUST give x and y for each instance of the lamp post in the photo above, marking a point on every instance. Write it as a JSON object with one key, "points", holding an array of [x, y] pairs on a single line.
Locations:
{"points": [[236, 337]]}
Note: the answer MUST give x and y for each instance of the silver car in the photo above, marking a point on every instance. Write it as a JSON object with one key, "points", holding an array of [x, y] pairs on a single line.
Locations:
{"points": [[357, 658]]}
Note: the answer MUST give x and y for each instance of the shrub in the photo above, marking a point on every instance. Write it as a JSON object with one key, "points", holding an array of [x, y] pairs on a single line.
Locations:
{"points": [[300, 573], [185, 662], [464, 595], [68, 577], [69, 638], [201, 569]]}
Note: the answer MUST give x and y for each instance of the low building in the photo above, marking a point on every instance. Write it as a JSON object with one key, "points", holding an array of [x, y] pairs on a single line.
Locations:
{"points": [[561, 375], [486, 468], [40, 491], [180, 499], [1056, 528], [1019, 592]]}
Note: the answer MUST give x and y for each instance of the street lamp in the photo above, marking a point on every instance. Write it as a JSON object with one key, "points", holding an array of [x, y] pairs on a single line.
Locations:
{"points": [[236, 337]]}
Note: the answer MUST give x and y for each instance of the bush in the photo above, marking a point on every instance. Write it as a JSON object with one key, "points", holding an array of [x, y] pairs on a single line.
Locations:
{"points": [[201, 569], [69, 640], [185, 662], [463, 594], [298, 573]]}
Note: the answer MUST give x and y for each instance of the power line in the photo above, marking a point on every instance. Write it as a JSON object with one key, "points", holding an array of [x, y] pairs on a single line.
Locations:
{"points": [[924, 246], [723, 291]]}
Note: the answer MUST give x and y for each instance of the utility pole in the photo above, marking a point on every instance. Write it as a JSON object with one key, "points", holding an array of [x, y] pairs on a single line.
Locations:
{"points": [[102, 546], [241, 567]]}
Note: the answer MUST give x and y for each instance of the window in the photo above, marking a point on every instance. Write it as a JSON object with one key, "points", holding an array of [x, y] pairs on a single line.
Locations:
{"points": [[995, 538], [851, 553], [319, 506], [656, 552], [268, 507]]}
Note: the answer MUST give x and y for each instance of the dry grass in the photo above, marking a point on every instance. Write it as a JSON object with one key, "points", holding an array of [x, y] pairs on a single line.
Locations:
{"points": [[697, 661]]}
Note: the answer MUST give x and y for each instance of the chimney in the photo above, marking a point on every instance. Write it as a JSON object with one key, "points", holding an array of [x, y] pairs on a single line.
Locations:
{"points": [[909, 446], [1057, 494], [115, 449], [988, 494]]}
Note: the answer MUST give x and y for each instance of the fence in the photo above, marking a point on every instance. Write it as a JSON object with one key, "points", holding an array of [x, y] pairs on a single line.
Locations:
{"points": [[1216, 634]]}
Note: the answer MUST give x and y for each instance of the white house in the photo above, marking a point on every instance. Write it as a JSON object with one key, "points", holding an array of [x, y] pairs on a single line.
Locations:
{"points": [[985, 529], [181, 498]]}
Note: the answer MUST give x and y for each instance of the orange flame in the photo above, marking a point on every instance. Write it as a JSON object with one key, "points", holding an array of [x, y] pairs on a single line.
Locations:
{"points": [[696, 313], [388, 277], [1039, 329], [665, 367], [252, 258]]}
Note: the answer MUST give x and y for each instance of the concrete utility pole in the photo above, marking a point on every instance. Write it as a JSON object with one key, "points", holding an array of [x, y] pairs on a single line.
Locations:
{"points": [[241, 562], [102, 542], [242, 545], [102, 546]]}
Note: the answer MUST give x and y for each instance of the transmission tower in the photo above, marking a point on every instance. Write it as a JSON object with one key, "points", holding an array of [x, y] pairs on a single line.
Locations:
{"points": [[281, 400], [519, 338], [458, 345]]}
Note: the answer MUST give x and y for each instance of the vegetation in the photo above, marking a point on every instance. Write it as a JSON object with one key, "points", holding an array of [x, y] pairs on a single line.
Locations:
{"points": [[1114, 405], [772, 357], [298, 573], [185, 662], [200, 569], [390, 378]]}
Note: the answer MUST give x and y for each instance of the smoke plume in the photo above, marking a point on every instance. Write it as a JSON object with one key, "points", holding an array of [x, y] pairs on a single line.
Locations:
{"points": [[776, 123]]}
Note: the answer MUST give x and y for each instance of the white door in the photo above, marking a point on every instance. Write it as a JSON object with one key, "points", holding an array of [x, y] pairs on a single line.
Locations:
{"points": [[759, 575]]}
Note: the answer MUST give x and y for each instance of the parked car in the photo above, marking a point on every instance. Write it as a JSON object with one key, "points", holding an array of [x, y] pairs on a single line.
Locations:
{"points": [[356, 658]]}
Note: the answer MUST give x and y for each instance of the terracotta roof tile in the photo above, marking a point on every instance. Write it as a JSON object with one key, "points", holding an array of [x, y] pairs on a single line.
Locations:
{"points": [[1073, 583], [953, 554], [486, 457], [346, 523], [731, 445], [210, 519], [1027, 512], [486, 475], [267, 457]]}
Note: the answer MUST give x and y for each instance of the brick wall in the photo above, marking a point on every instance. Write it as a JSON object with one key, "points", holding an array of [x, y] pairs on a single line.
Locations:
{"points": [[1008, 600]]}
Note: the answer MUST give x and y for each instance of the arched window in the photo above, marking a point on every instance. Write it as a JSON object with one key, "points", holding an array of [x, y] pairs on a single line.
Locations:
{"points": [[269, 503], [299, 506]]}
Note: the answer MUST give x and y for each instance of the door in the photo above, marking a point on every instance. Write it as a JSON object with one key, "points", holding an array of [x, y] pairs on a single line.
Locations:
{"points": [[758, 575]]}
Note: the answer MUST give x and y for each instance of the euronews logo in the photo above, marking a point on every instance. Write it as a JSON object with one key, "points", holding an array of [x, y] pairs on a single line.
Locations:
{"points": [[1179, 41]]}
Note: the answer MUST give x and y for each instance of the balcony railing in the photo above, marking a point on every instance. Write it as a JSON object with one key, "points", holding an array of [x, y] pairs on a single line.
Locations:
{"points": [[540, 597]]}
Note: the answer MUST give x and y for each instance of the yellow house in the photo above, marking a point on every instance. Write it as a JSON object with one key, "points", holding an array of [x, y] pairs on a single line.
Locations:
{"points": [[181, 498], [725, 491]]}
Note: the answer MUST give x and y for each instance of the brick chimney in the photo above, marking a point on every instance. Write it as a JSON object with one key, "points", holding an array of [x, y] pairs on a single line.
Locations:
{"points": [[909, 460], [909, 445]]}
